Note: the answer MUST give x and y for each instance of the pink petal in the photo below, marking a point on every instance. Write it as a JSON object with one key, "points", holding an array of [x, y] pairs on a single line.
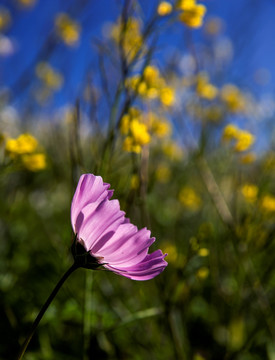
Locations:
{"points": [[151, 266], [127, 247], [90, 189], [98, 222]]}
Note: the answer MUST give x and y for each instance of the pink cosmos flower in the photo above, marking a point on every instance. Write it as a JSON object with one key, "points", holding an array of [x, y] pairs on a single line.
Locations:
{"points": [[104, 237]]}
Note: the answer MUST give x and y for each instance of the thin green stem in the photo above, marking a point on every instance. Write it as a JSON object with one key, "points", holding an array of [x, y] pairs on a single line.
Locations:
{"points": [[44, 308]]}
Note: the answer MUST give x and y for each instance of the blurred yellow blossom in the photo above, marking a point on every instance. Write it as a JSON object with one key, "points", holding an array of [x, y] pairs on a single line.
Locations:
{"points": [[185, 4], [236, 333], [164, 8], [134, 182], [268, 203], [159, 126], [139, 132], [204, 88], [233, 98], [192, 14], [24, 144], [203, 252], [26, 3], [172, 150], [189, 198], [163, 173], [50, 77], [34, 162], [230, 132], [244, 141], [129, 36], [248, 158], [5, 18], [151, 85], [202, 273], [167, 96], [67, 29], [250, 192]]}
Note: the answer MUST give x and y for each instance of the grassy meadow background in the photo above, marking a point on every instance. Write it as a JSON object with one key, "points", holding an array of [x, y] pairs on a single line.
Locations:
{"points": [[190, 153]]}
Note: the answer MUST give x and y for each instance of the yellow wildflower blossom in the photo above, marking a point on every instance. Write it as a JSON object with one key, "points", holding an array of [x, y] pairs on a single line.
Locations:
{"points": [[164, 8], [268, 203], [173, 151], [50, 77], [131, 34], [167, 96], [202, 273], [230, 132], [233, 98], [185, 4], [130, 146], [134, 182], [163, 173], [26, 3], [151, 74], [203, 252], [34, 162], [67, 29], [24, 144], [248, 158], [193, 15], [159, 127], [250, 192], [139, 132], [204, 88], [189, 198], [244, 141]]}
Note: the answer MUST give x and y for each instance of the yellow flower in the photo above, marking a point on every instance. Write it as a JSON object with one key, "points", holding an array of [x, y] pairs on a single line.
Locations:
{"points": [[130, 146], [193, 15], [185, 4], [131, 35], [51, 78], [151, 74], [24, 144], [34, 162], [203, 252], [163, 173], [164, 8], [268, 203], [204, 88], [139, 132], [173, 151], [250, 192], [167, 96], [134, 182], [159, 127], [248, 158], [244, 141], [189, 198], [67, 29], [233, 98], [230, 132], [202, 273]]}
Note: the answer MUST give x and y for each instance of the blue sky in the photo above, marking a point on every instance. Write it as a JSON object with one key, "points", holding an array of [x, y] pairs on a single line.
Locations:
{"points": [[248, 23]]}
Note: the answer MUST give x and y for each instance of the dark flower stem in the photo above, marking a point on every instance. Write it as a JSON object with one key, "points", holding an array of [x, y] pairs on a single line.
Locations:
{"points": [[44, 308]]}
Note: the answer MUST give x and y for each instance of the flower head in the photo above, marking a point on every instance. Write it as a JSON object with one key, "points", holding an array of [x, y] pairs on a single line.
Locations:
{"points": [[104, 237]]}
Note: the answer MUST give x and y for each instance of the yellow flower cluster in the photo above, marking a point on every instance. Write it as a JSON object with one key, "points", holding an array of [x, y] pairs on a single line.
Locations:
{"points": [[243, 139], [152, 86], [50, 77], [189, 198], [136, 131], [205, 89], [128, 36], [192, 14], [67, 29], [233, 98], [24, 149]]}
